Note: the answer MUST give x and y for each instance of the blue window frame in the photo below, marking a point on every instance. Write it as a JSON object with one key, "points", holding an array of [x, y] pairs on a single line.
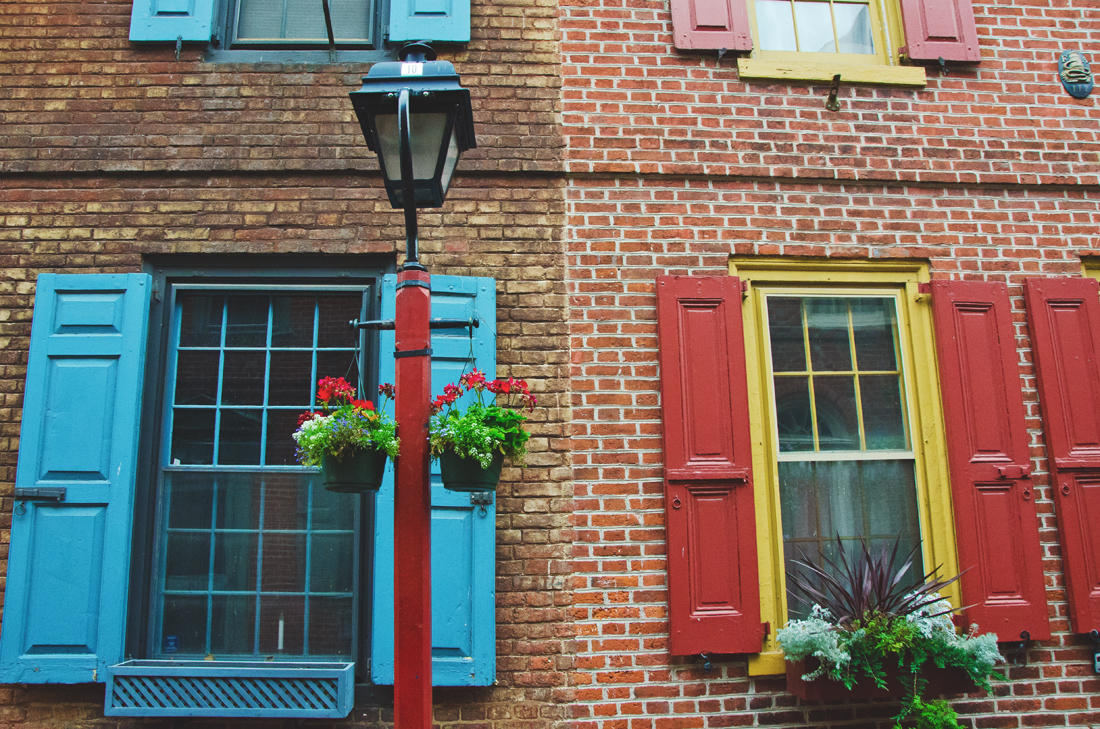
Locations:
{"points": [[254, 558]]}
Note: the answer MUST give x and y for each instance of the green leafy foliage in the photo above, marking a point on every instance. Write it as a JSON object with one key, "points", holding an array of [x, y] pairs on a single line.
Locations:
{"points": [[482, 430], [868, 619], [344, 424]]}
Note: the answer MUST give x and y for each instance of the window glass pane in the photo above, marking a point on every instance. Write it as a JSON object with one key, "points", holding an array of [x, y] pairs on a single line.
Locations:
{"points": [[338, 364], [785, 332], [282, 624], [280, 442], [873, 325], [292, 321], [291, 379], [873, 499], [815, 27], [330, 623], [193, 436], [330, 560], [260, 20], [335, 313], [306, 20], [184, 623], [238, 500], [853, 28], [246, 321], [188, 564], [827, 328], [190, 500], [837, 421], [302, 20], [284, 564], [201, 320], [239, 437], [235, 556], [776, 25], [793, 417], [197, 377], [287, 501], [232, 624], [883, 422], [243, 378]]}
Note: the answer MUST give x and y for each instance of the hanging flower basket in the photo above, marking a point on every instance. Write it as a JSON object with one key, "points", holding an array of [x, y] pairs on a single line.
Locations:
{"points": [[948, 680], [466, 474], [361, 472]]}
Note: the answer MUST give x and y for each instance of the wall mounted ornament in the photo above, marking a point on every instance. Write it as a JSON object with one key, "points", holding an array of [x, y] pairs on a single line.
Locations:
{"points": [[1075, 73]]}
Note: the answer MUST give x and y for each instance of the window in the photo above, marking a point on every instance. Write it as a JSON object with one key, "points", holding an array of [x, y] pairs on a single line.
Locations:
{"points": [[252, 25], [801, 401], [842, 390], [254, 558], [845, 466], [813, 40], [162, 514]]}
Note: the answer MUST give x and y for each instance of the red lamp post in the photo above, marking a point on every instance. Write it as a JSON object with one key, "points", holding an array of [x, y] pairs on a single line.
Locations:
{"points": [[418, 118]]}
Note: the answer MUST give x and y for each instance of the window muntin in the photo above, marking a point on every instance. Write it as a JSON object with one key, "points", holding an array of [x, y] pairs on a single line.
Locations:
{"points": [[254, 558], [844, 464]]}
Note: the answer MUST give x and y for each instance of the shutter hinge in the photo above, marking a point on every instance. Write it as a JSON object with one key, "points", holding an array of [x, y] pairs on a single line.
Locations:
{"points": [[744, 289], [924, 291]]}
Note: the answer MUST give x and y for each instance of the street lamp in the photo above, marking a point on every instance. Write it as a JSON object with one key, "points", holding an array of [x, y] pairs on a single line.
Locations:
{"points": [[417, 118]]}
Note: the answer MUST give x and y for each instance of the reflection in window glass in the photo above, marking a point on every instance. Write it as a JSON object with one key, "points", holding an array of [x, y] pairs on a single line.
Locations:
{"points": [[302, 21]]}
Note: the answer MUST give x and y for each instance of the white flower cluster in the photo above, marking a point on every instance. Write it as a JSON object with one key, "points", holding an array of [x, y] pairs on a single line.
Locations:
{"points": [[815, 636], [982, 648]]}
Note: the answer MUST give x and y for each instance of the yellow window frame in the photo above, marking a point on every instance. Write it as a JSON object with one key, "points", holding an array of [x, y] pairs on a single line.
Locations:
{"points": [[928, 439], [882, 67]]}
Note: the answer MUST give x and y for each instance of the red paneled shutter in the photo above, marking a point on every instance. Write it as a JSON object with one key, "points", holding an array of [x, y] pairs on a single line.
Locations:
{"points": [[714, 594], [721, 24], [987, 442], [1064, 317], [936, 29]]}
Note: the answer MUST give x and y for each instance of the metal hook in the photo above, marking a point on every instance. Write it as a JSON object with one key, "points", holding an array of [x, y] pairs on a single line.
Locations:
{"points": [[1021, 649], [832, 103], [943, 67], [21, 509], [1095, 635], [707, 667], [179, 45]]}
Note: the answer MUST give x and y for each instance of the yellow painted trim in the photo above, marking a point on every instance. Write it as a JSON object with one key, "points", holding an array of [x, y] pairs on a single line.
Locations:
{"points": [[770, 663], [1090, 267], [926, 414], [762, 68]]}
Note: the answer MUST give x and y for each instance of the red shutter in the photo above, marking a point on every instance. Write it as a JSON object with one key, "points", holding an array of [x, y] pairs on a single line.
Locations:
{"points": [[937, 29], [714, 594], [722, 24], [987, 442], [1064, 316]]}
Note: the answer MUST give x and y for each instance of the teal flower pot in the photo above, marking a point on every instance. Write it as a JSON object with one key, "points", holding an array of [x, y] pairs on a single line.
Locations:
{"points": [[466, 474], [358, 473]]}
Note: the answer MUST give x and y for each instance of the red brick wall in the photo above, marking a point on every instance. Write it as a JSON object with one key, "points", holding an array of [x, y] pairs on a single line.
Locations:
{"points": [[673, 164]]}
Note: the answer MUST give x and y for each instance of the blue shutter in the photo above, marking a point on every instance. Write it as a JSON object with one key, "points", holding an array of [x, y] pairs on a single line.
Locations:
{"points": [[171, 20], [463, 533], [69, 561], [447, 21]]}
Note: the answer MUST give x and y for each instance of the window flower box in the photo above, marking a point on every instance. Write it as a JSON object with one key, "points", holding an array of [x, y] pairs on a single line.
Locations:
{"points": [[948, 680]]}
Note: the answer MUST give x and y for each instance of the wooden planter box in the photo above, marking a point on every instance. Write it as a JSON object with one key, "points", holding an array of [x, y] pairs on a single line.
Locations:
{"points": [[940, 681]]}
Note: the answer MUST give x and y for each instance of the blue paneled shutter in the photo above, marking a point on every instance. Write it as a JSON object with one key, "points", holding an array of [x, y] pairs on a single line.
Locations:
{"points": [[447, 21], [170, 20], [463, 538], [69, 561]]}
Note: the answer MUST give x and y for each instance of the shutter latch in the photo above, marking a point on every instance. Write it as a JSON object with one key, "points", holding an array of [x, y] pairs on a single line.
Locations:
{"points": [[179, 46]]}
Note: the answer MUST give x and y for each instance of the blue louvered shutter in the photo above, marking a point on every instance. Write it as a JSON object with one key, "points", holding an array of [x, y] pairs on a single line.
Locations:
{"points": [[463, 532], [69, 560], [170, 20], [446, 21]]}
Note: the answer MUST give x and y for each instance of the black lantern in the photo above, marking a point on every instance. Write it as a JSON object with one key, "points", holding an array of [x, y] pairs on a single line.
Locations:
{"points": [[438, 123]]}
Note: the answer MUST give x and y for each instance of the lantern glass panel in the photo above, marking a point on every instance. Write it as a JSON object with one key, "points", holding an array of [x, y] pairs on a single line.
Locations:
{"points": [[450, 161], [425, 137]]}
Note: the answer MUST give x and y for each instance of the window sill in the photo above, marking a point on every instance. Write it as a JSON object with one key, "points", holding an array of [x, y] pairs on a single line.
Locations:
{"points": [[908, 76], [295, 56], [769, 663]]}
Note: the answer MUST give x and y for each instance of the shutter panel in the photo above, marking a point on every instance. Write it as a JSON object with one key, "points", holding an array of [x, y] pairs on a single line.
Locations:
{"points": [[937, 29], [171, 20], [720, 24], [69, 562], [995, 522], [463, 532], [1064, 317], [714, 595], [447, 21]]}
